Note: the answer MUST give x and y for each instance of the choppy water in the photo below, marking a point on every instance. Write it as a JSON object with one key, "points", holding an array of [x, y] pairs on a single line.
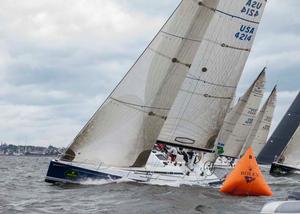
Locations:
{"points": [[23, 190]]}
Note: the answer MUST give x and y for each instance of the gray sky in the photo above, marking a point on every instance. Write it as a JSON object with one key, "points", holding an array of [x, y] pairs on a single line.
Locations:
{"points": [[60, 59]]}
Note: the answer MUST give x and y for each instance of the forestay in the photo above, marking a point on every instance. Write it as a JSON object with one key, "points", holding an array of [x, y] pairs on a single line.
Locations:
{"points": [[245, 111], [200, 107], [290, 155], [260, 131], [125, 128]]}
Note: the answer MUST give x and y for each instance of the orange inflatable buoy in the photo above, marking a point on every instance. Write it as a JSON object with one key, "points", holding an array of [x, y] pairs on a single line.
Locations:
{"points": [[246, 179]]}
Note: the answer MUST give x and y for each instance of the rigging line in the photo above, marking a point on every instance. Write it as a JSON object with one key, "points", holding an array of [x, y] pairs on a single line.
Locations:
{"points": [[181, 37], [227, 14], [150, 113], [224, 45], [174, 59], [210, 83], [206, 95], [235, 48], [209, 40], [137, 105]]}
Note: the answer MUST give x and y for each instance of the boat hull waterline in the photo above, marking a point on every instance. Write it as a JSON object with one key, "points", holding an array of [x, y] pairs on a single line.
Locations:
{"points": [[280, 170], [70, 173]]}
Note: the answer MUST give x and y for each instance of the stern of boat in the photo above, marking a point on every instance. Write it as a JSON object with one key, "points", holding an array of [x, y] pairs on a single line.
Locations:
{"points": [[279, 170]]}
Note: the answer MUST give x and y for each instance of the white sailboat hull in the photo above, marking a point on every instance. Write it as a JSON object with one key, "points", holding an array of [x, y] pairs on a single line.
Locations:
{"points": [[171, 175]]}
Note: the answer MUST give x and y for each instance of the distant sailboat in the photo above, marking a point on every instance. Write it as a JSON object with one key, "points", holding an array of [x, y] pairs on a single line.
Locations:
{"points": [[239, 120], [282, 134], [288, 161], [261, 128], [194, 62]]}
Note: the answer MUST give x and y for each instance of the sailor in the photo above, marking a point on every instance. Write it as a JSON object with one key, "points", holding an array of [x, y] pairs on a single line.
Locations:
{"points": [[191, 159], [160, 147], [232, 162], [184, 154], [172, 152]]}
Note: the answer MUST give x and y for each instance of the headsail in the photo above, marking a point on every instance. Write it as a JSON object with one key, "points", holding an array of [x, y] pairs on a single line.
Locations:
{"points": [[125, 128], [259, 132], [240, 120], [290, 156], [200, 107]]}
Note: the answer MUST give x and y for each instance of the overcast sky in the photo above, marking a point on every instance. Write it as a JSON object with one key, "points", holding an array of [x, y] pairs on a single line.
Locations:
{"points": [[60, 59]]}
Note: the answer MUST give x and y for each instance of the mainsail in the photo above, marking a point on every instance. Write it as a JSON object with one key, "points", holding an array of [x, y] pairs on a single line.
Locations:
{"points": [[239, 121], [259, 132], [290, 155], [126, 126], [202, 102], [282, 134]]}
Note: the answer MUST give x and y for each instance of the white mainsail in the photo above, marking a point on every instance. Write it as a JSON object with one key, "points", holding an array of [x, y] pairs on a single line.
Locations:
{"points": [[239, 121], [124, 129], [260, 131], [200, 107], [290, 155]]}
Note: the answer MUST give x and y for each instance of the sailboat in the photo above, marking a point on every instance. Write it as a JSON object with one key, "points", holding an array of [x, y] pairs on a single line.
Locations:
{"points": [[288, 161], [261, 128], [239, 120], [193, 64], [258, 132], [282, 134]]}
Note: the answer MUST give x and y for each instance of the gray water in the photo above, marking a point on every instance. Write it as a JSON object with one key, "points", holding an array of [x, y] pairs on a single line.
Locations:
{"points": [[23, 190]]}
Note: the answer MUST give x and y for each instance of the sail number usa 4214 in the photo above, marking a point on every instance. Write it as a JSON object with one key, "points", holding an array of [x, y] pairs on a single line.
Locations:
{"points": [[252, 8], [245, 33]]}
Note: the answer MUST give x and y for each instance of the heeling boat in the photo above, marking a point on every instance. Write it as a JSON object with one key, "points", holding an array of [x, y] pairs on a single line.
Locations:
{"points": [[288, 161], [199, 39], [259, 131], [261, 128], [282, 134]]}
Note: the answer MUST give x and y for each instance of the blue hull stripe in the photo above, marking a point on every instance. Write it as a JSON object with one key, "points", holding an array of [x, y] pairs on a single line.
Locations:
{"points": [[72, 174]]}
